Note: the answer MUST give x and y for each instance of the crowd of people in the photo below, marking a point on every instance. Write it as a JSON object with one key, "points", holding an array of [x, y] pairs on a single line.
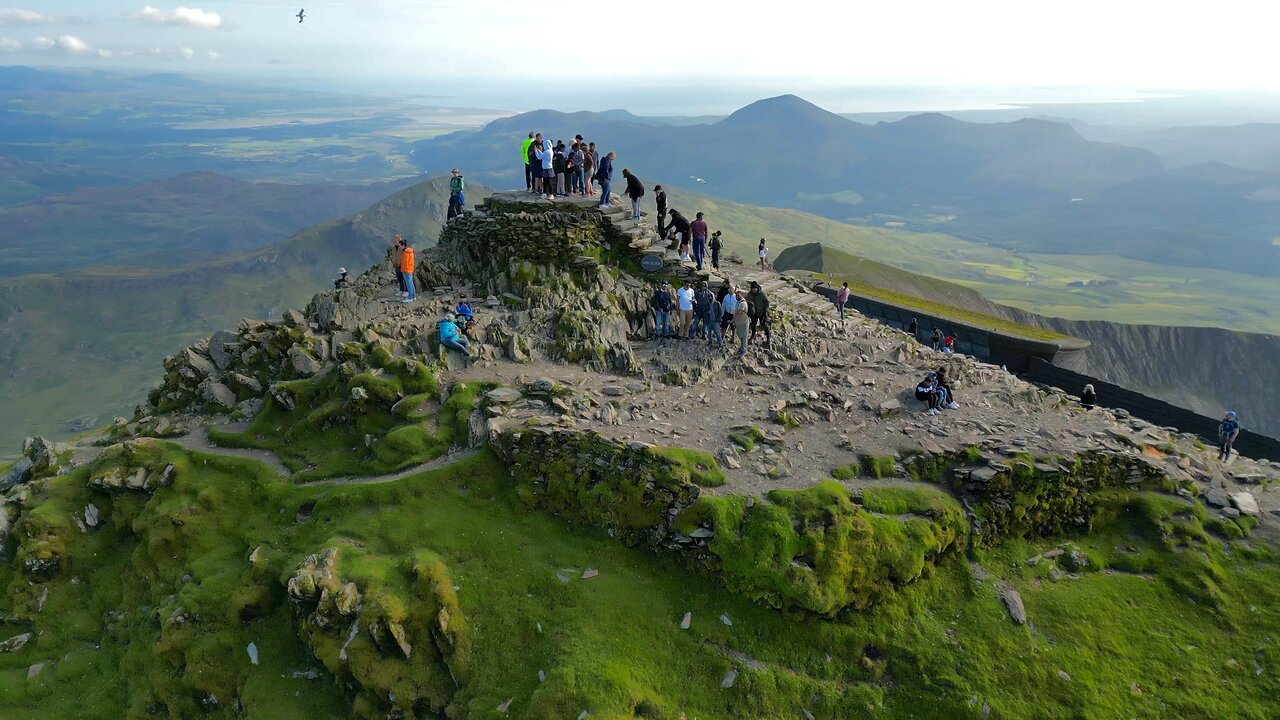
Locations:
{"points": [[731, 314], [560, 169]]}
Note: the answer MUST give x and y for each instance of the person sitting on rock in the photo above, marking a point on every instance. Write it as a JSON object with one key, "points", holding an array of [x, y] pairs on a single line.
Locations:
{"points": [[1228, 431], [1088, 398], [450, 337], [661, 304], [464, 310], [343, 280], [927, 392], [949, 344], [948, 396]]}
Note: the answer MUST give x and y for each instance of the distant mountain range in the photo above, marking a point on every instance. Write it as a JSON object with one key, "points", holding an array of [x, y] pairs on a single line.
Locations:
{"points": [[174, 221], [1033, 185]]}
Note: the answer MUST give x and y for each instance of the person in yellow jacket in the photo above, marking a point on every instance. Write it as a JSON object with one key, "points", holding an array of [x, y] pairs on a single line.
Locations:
{"points": [[524, 157], [406, 272]]}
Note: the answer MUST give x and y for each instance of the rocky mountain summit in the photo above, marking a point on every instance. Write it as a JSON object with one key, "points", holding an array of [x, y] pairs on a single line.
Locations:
{"points": [[803, 477]]}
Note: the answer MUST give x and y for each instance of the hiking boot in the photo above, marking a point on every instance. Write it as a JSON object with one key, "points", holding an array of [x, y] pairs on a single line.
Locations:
{"points": [[934, 411], [953, 405]]}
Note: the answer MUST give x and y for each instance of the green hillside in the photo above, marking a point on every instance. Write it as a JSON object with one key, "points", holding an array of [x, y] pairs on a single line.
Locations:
{"points": [[884, 282], [80, 348], [1075, 287]]}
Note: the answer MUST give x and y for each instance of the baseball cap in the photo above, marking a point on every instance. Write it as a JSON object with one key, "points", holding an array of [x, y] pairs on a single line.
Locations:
{"points": [[342, 271], [455, 171]]}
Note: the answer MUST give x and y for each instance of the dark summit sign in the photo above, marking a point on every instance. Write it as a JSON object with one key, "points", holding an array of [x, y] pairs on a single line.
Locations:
{"points": [[651, 263]]}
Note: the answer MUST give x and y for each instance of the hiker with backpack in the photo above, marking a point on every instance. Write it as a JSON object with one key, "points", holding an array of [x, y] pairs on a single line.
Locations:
{"points": [[635, 191], [1228, 431], [661, 303], [604, 174], [456, 198]]}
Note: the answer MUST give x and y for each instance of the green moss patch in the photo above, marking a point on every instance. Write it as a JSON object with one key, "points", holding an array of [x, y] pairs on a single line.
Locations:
{"points": [[696, 466]]}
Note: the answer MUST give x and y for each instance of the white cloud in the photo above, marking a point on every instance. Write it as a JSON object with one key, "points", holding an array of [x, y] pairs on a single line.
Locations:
{"points": [[69, 45], [214, 54], [186, 53], [182, 17], [72, 45], [42, 43], [16, 16], [9, 45]]}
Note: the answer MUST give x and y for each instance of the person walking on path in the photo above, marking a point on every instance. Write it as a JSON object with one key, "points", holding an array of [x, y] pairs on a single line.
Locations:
{"points": [[660, 196], [588, 170], [526, 157], [716, 245], [842, 299], [758, 310], [935, 339], [1228, 431], [684, 308], [456, 199], [741, 321], [763, 252], [661, 304], [604, 174], [913, 329], [393, 253], [1088, 398], [698, 228], [447, 330], [406, 270], [635, 191]]}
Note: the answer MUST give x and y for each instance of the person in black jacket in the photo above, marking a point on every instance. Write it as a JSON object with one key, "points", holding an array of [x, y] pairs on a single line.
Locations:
{"points": [[661, 304], [1088, 398], [661, 196], [635, 191], [679, 225], [914, 328]]}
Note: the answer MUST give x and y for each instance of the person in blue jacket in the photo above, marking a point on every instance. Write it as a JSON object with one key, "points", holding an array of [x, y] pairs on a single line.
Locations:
{"points": [[450, 337], [604, 175], [463, 309]]}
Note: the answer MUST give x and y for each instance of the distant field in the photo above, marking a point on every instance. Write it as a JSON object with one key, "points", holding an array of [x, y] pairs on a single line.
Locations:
{"points": [[1144, 292]]}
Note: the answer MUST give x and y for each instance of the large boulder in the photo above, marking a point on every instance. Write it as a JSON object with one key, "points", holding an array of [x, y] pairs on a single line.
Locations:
{"points": [[218, 351], [302, 363], [218, 395]]}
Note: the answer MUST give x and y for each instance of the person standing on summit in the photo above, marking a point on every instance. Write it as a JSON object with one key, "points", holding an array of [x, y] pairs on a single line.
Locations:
{"points": [[635, 191], [660, 196], [456, 198], [604, 174], [588, 170], [698, 229], [406, 271], [393, 254], [1228, 431], [526, 156], [546, 156]]}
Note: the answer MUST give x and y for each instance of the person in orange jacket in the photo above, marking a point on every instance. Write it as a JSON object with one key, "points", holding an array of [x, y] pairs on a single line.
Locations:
{"points": [[406, 272]]}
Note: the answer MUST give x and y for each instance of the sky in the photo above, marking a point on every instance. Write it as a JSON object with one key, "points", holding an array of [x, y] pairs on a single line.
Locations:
{"points": [[992, 43]]}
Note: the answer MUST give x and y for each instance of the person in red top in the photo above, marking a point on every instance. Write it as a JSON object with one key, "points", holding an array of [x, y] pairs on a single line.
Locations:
{"points": [[698, 229], [406, 272]]}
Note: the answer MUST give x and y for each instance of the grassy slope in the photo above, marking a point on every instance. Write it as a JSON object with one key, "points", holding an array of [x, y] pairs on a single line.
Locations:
{"points": [[88, 345], [1133, 645], [1146, 292], [874, 279]]}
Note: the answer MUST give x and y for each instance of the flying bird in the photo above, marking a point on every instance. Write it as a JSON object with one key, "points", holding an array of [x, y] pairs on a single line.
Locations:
{"points": [[301, 14]]}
